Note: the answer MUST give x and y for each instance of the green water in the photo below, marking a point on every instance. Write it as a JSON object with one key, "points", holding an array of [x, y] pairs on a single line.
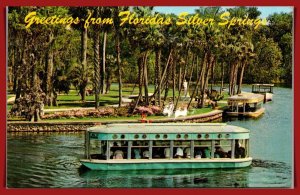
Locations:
{"points": [[51, 160]]}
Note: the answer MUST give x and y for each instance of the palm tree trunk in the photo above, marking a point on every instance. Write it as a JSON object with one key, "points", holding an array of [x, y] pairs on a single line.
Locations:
{"points": [[182, 78], [164, 72], [199, 78], [179, 76], [141, 75], [146, 78], [14, 67], [212, 76], [202, 77], [108, 80], [22, 61], [235, 78], [103, 63], [222, 77], [174, 79], [84, 81], [231, 79], [209, 65], [167, 79], [241, 77], [96, 68], [157, 74], [119, 67], [49, 67], [194, 58], [205, 77]]}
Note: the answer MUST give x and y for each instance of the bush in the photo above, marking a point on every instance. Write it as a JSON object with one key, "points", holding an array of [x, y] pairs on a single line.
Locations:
{"points": [[149, 110]]}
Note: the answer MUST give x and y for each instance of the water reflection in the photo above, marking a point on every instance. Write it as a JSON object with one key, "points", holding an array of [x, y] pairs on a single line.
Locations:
{"points": [[260, 174], [187, 178], [51, 160]]}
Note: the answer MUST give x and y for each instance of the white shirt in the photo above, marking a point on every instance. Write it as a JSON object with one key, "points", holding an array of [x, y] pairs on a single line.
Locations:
{"points": [[146, 154], [179, 152], [167, 152]]}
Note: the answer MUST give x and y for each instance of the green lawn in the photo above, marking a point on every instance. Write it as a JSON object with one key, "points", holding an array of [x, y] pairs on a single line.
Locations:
{"points": [[135, 117], [73, 100], [9, 96], [199, 111], [9, 107]]}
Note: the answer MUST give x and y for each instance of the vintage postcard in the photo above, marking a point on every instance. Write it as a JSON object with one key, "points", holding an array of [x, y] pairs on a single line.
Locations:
{"points": [[150, 97]]}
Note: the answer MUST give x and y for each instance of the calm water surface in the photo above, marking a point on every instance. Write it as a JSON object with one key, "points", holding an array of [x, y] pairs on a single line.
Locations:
{"points": [[51, 160]]}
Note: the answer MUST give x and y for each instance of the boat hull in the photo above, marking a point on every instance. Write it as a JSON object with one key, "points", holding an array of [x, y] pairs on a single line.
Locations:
{"points": [[255, 114], [269, 97], [145, 164]]}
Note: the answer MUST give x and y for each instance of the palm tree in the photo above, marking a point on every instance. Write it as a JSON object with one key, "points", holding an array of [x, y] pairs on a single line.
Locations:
{"points": [[83, 81], [96, 47], [248, 54], [118, 37]]}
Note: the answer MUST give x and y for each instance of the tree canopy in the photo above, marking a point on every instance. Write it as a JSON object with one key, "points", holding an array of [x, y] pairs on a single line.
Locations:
{"points": [[58, 57]]}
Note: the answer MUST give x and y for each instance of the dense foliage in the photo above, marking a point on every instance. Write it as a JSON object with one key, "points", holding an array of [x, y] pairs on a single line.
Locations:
{"points": [[56, 57]]}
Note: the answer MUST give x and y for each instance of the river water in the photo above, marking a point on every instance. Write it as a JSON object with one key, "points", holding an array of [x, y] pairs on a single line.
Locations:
{"points": [[51, 160]]}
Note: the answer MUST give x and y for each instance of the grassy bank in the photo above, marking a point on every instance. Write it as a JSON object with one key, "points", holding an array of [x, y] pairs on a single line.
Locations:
{"points": [[73, 100]]}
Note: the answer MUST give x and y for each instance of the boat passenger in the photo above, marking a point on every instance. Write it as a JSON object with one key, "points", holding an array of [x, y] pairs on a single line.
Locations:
{"points": [[157, 152], [146, 154], [167, 152], [247, 107], [137, 153], [219, 152], [239, 150], [118, 154], [206, 152], [198, 154], [179, 152], [187, 152]]}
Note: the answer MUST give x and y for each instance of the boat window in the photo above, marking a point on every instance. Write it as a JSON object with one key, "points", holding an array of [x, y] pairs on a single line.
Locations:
{"points": [[98, 149], [161, 149], [202, 149], [186, 136], [115, 136], [144, 136], [157, 136], [206, 136], [222, 149], [118, 149], [219, 135], [253, 106], [182, 149], [246, 148], [122, 136], [136, 136], [233, 106], [240, 148], [139, 148], [178, 136], [199, 136], [165, 136]]}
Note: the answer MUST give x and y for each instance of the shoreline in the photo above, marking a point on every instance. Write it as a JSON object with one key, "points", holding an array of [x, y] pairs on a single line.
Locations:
{"points": [[16, 126]]}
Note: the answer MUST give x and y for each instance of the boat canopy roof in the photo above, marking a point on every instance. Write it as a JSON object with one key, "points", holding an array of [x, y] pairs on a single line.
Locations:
{"points": [[264, 85], [167, 128], [246, 98]]}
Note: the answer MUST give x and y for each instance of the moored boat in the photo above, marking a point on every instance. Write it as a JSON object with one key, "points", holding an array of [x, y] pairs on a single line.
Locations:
{"points": [[166, 146], [246, 105], [264, 89]]}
